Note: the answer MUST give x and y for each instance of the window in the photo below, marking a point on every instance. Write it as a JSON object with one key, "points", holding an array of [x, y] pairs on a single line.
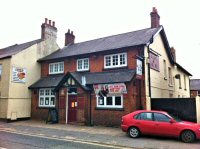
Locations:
{"points": [[165, 69], [161, 117], [0, 71], [46, 98], [144, 116], [180, 86], [115, 60], [83, 64], [185, 86], [110, 102], [170, 76], [55, 68]]}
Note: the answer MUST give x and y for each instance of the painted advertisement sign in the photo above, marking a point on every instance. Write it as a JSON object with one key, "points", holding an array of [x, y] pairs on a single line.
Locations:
{"points": [[110, 89], [19, 75]]}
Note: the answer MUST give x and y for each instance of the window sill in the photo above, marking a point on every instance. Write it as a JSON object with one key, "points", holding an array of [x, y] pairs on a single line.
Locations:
{"points": [[45, 107], [110, 109], [114, 68]]}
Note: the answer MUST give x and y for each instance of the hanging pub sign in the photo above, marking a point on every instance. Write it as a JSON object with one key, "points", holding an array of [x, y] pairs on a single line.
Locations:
{"points": [[139, 69], [109, 89], [18, 75]]}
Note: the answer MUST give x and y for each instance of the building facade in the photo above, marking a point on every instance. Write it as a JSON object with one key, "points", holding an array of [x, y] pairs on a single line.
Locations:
{"points": [[19, 69], [98, 81]]}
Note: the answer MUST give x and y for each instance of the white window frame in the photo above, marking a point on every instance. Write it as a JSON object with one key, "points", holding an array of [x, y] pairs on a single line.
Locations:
{"points": [[51, 95], [83, 64], [118, 60], [113, 102], [52, 68]]}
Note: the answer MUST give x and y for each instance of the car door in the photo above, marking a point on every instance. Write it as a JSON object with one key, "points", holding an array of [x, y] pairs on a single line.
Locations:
{"points": [[163, 126], [144, 121]]}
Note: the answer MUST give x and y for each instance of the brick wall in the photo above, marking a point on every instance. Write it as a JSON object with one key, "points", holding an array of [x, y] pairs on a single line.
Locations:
{"points": [[96, 62]]}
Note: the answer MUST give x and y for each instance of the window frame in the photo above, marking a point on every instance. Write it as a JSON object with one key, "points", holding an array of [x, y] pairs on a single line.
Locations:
{"points": [[165, 69], [54, 66], [154, 114], [83, 64], [113, 102], [170, 76], [117, 60], [46, 96]]}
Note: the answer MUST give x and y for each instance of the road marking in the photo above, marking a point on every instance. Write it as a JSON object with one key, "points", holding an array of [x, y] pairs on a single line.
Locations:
{"points": [[72, 140], [2, 148]]}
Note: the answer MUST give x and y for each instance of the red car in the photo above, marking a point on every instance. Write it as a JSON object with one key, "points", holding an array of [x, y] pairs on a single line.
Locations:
{"points": [[159, 123]]}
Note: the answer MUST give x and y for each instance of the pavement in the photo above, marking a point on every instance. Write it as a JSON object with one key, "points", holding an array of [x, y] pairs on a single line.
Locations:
{"points": [[95, 134]]}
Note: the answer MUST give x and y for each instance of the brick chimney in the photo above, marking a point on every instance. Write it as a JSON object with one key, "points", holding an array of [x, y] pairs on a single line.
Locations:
{"points": [[69, 38], [155, 18], [49, 30], [173, 52]]}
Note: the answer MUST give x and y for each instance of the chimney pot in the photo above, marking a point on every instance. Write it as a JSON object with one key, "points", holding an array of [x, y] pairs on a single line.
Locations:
{"points": [[46, 20], [69, 38], [50, 22], [53, 24]]}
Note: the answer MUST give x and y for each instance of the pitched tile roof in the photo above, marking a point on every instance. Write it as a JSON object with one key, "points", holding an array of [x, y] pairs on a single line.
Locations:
{"points": [[134, 38], [14, 49], [47, 82], [195, 84], [104, 77], [55, 81]]}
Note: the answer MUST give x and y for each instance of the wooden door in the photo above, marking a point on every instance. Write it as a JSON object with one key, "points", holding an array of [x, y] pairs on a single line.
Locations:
{"points": [[72, 108]]}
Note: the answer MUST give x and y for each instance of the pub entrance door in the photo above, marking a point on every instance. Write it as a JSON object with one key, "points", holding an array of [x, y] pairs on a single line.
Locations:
{"points": [[72, 108]]}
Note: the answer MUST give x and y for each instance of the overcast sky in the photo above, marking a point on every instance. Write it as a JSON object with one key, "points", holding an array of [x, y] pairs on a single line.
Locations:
{"points": [[89, 19]]}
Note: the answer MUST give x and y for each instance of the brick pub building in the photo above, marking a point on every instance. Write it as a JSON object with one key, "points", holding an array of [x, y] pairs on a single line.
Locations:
{"points": [[95, 82]]}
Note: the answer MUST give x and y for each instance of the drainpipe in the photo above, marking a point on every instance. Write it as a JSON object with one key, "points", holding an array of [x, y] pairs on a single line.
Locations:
{"points": [[149, 69], [90, 114]]}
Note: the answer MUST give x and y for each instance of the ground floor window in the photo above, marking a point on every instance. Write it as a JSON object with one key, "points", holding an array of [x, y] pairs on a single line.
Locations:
{"points": [[46, 98], [110, 101]]}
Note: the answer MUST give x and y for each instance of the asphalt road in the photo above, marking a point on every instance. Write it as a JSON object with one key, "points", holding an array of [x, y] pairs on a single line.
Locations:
{"points": [[18, 141]]}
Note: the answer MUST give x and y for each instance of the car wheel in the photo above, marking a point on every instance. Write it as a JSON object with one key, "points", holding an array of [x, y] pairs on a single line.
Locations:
{"points": [[134, 132], [187, 136]]}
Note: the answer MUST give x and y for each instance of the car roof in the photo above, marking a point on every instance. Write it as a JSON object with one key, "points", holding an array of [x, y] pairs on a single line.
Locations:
{"points": [[140, 111]]}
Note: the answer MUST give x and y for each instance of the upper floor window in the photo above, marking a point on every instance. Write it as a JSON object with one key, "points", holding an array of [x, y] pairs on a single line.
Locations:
{"points": [[115, 60], [165, 69], [46, 98], [83, 64], [180, 86], [170, 76], [185, 84], [55, 68]]}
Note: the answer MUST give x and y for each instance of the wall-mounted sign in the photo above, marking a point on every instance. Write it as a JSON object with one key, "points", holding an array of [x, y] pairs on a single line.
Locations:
{"points": [[18, 75], [139, 68], [110, 89], [154, 61]]}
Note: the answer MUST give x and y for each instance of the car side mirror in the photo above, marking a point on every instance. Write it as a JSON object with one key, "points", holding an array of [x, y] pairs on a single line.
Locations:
{"points": [[172, 121]]}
